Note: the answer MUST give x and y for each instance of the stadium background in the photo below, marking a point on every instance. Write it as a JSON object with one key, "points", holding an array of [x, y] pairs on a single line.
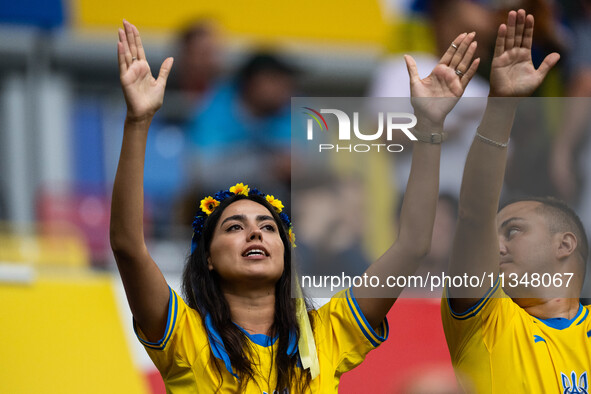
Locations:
{"points": [[64, 321]]}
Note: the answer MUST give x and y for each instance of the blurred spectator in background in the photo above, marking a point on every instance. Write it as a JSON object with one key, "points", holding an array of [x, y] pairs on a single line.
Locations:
{"points": [[248, 121], [566, 170], [570, 159], [199, 62], [330, 230], [447, 18], [198, 68]]}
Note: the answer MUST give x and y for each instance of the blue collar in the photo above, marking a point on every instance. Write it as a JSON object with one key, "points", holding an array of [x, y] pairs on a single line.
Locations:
{"points": [[560, 323], [219, 351]]}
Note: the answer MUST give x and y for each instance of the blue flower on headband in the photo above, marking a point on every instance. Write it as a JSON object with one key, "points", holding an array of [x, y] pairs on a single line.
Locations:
{"points": [[222, 195], [198, 223], [285, 219], [256, 192]]}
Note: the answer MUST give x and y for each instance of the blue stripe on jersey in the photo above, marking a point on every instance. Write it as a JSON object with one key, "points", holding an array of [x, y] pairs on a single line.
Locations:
{"points": [[584, 317], [473, 310], [366, 329], [170, 323]]}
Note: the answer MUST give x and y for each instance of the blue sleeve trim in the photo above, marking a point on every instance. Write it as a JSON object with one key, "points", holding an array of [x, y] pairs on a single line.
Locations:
{"points": [[473, 310], [374, 338], [170, 323], [584, 317]]}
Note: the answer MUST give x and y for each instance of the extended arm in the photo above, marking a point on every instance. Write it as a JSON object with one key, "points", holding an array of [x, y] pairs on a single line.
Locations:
{"points": [[432, 99], [146, 289], [476, 246]]}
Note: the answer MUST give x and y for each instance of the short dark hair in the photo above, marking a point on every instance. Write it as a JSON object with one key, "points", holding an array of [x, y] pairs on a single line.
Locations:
{"points": [[263, 62], [562, 218]]}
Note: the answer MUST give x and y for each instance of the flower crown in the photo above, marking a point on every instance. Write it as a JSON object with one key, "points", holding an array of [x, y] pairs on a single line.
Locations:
{"points": [[209, 204]]}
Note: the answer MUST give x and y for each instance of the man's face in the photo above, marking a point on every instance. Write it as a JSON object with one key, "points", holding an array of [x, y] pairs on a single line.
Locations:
{"points": [[525, 242]]}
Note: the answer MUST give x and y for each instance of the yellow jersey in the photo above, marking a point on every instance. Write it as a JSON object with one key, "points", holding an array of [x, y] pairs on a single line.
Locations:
{"points": [[184, 355], [497, 347]]}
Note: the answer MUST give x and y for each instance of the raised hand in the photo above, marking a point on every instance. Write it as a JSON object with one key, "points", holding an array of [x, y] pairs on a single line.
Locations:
{"points": [[447, 80], [143, 94], [512, 72]]}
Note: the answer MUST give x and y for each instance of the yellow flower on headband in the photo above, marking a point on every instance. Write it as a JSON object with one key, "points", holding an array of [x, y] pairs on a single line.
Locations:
{"points": [[240, 188], [277, 204], [291, 238], [208, 204]]}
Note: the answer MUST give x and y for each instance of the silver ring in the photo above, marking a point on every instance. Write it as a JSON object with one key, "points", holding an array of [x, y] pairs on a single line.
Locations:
{"points": [[454, 46], [133, 58], [458, 72]]}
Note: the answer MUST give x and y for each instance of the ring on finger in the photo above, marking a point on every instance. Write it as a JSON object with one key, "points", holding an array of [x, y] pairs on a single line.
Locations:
{"points": [[133, 58], [459, 73], [454, 46]]}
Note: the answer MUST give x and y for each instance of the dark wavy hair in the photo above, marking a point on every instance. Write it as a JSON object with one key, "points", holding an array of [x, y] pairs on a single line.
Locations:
{"points": [[201, 288]]}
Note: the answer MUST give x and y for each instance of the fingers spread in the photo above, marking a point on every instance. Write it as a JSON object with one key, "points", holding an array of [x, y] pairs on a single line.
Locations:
{"points": [[510, 38], [462, 48], [451, 50], [549, 62], [411, 66], [165, 71]]}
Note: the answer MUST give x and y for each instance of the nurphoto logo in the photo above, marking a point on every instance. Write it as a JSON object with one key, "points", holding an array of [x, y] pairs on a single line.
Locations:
{"points": [[394, 122]]}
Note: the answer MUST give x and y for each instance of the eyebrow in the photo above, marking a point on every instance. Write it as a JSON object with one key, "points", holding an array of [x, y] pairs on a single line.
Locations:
{"points": [[242, 218], [508, 221]]}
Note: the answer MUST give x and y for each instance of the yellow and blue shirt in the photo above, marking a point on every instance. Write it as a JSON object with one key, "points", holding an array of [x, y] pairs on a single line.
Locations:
{"points": [[497, 347], [184, 354]]}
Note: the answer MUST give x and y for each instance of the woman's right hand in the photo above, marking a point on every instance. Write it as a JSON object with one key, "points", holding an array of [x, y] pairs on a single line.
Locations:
{"points": [[434, 96], [143, 94]]}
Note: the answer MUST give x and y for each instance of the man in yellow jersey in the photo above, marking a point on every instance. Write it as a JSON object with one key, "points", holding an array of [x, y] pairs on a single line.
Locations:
{"points": [[522, 329]]}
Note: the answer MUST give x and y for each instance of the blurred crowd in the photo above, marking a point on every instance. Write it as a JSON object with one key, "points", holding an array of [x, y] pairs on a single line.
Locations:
{"points": [[228, 120]]}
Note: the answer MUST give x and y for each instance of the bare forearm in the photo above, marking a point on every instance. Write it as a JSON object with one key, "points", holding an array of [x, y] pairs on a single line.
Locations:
{"points": [[127, 206], [420, 199], [416, 230], [475, 247], [485, 165], [417, 215]]}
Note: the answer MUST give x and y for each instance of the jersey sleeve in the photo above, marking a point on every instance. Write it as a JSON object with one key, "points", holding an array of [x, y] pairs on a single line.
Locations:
{"points": [[480, 325], [182, 341], [343, 335]]}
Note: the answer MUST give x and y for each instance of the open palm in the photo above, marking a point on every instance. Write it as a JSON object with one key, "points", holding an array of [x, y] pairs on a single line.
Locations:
{"points": [[512, 72], [143, 93], [434, 96]]}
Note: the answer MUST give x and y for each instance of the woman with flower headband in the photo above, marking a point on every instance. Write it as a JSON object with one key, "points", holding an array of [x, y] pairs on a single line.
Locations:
{"points": [[239, 329]]}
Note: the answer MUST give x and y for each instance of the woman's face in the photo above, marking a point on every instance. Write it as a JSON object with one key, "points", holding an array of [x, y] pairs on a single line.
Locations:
{"points": [[246, 245]]}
